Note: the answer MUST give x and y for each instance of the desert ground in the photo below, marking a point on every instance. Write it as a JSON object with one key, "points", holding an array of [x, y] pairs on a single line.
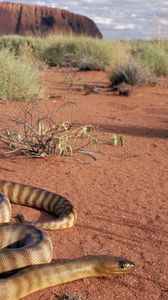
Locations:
{"points": [[120, 197]]}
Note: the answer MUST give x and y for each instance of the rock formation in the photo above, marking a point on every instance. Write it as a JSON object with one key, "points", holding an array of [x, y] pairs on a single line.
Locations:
{"points": [[24, 19]]}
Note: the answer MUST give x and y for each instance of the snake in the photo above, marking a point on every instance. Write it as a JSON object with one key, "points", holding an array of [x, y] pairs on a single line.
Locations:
{"points": [[26, 250]]}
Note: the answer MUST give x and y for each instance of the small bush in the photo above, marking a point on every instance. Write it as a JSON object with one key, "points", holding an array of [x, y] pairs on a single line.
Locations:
{"points": [[19, 80], [131, 73], [37, 135], [60, 54], [90, 64]]}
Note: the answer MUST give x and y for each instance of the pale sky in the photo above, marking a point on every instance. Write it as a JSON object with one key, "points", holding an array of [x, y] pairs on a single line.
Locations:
{"points": [[119, 19]]}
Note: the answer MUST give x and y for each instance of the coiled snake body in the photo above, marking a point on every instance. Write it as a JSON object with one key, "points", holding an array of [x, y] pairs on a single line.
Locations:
{"points": [[26, 251]]}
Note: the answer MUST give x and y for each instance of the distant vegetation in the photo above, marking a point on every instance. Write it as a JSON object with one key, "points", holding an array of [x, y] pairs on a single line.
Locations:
{"points": [[71, 50], [84, 53]]}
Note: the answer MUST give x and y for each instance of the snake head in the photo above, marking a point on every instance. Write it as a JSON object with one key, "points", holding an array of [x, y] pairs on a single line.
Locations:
{"points": [[110, 265], [125, 266]]}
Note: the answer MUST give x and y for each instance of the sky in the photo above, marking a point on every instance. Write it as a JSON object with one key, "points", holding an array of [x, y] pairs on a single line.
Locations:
{"points": [[119, 19]]}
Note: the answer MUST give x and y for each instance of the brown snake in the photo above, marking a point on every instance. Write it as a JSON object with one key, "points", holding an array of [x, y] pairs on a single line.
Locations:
{"points": [[27, 250]]}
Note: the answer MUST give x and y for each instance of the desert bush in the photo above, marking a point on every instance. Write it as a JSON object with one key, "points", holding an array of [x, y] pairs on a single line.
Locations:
{"points": [[132, 73], [19, 80], [88, 64], [59, 54], [38, 135], [69, 51]]}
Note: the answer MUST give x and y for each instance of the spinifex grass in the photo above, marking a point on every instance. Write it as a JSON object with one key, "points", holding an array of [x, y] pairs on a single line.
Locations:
{"points": [[131, 73], [19, 80]]}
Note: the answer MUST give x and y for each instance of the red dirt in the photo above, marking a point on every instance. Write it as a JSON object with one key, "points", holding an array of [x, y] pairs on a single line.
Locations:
{"points": [[120, 197]]}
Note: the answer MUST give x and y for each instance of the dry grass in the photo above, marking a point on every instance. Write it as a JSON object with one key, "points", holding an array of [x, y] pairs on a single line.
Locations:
{"points": [[19, 80], [131, 73], [40, 136]]}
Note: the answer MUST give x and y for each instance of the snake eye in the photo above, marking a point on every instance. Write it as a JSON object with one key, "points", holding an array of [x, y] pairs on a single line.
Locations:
{"points": [[122, 265]]}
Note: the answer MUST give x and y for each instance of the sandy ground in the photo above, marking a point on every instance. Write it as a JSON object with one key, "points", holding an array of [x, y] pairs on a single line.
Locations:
{"points": [[120, 198]]}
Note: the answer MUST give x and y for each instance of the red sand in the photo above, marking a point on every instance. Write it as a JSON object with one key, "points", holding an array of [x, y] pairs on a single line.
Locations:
{"points": [[120, 198]]}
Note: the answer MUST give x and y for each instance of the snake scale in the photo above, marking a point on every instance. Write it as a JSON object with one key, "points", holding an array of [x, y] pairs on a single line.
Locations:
{"points": [[26, 250]]}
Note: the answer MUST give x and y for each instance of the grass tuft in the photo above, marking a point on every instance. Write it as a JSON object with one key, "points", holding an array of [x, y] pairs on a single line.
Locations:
{"points": [[131, 73], [90, 64], [19, 80]]}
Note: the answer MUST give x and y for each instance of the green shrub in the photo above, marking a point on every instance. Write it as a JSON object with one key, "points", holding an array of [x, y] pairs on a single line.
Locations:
{"points": [[19, 80], [59, 54]]}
